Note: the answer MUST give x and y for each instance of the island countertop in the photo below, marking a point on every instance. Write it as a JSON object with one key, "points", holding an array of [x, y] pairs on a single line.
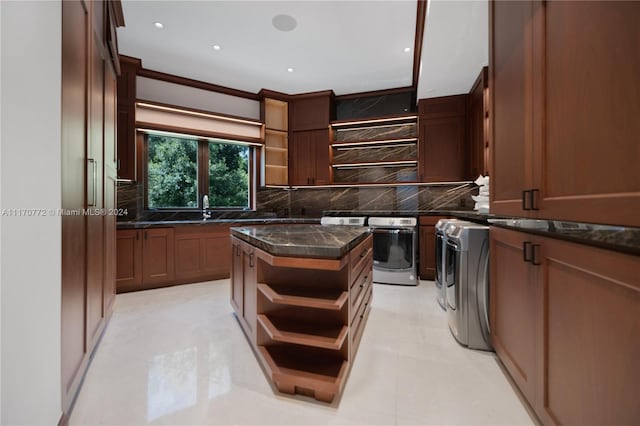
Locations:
{"points": [[318, 241]]}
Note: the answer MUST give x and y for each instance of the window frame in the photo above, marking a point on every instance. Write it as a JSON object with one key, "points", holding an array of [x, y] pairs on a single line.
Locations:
{"points": [[142, 140]]}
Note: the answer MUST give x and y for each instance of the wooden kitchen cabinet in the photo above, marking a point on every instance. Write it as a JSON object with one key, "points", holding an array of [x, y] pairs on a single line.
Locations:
{"points": [[564, 127], [309, 157], [201, 253], [479, 126], [514, 308], [89, 66], [427, 246], [443, 139], [566, 327], [145, 258], [310, 115], [243, 284], [126, 163]]}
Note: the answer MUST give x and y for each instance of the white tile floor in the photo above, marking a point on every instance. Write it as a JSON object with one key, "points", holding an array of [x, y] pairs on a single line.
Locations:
{"points": [[177, 356]]}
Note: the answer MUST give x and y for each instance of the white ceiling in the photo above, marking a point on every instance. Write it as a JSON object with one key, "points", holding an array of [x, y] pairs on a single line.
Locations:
{"points": [[347, 46], [455, 47]]}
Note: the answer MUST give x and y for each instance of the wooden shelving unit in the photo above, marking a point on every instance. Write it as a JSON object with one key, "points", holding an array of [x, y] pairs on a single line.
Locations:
{"points": [[308, 318], [381, 150], [276, 142]]}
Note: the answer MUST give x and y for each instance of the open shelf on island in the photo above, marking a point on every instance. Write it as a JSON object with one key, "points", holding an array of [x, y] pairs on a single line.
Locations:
{"points": [[317, 297], [286, 330], [309, 371]]}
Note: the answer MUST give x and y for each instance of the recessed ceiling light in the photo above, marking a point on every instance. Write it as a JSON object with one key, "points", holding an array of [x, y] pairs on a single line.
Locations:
{"points": [[284, 22], [290, 69], [216, 47], [407, 49], [158, 25]]}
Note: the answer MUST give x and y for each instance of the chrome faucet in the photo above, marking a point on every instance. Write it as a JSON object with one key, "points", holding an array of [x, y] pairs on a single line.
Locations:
{"points": [[205, 205]]}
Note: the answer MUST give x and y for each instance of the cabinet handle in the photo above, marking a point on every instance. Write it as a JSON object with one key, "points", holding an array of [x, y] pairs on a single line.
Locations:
{"points": [[525, 195], [535, 254], [364, 253], [94, 182], [251, 264], [533, 198], [527, 255]]}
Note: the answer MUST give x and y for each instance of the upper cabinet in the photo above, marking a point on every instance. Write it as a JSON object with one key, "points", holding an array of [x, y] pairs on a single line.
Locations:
{"points": [[309, 117], [443, 139], [479, 125], [275, 114], [565, 128], [127, 118]]}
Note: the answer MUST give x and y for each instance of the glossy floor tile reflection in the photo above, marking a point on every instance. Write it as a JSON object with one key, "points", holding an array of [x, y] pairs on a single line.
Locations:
{"points": [[177, 356]]}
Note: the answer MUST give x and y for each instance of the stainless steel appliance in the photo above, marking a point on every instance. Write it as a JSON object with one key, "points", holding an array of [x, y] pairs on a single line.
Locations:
{"points": [[467, 284], [441, 247], [343, 220], [394, 250]]}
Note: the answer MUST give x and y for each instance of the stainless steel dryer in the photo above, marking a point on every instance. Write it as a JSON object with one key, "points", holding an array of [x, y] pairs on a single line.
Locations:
{"points": [[441, 248], [467, 284]]}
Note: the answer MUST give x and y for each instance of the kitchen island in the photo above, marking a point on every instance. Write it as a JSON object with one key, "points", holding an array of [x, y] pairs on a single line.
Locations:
{"points": [[301, 294]]}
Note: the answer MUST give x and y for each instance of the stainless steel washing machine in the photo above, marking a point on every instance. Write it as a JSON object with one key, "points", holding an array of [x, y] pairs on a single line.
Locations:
{"points": [[395, 248], [467, 284], [441, 248]]}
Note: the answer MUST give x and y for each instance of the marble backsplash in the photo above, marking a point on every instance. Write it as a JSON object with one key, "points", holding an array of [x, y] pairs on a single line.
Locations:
{"points": [[312, 202]]}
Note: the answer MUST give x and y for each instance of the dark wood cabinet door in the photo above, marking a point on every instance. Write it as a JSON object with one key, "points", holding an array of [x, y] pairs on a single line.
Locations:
{"points": [[250, 298], [320, 151], [126, 141], [589, 148], [216, 255], [158, 265], [478, 116], [300, 158], [511, 90], [427, 252], [188, 257], [95, 188], [590, 327], [443, 143], [75, 21], [237, 277], [128, 259], [514, 304], [311, 112]]}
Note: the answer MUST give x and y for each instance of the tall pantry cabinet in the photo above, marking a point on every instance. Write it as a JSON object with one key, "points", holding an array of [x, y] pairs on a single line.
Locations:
{"points": [[564, 87], [89, 72]]}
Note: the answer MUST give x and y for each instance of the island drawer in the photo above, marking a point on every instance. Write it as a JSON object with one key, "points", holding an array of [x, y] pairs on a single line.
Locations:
{"points": [[360, 255], [360, 285], [357, 326]]}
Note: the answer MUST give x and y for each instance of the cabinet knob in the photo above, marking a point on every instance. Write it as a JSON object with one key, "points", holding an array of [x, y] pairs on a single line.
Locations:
{"points": [[251, 263]]}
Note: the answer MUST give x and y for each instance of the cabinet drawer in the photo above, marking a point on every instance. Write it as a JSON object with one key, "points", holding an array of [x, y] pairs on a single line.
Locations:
{"points": [[357, 325], [360, 255], [360, 285]]}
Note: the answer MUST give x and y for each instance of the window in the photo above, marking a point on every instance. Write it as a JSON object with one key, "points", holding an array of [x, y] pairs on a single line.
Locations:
{"points": [[180, 170]]}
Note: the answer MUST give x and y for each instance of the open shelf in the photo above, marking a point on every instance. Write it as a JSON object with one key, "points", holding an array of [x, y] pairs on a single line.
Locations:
{"points": [[310, 371], [375, 164], [327, 336], [320, 298], [372, 142]]}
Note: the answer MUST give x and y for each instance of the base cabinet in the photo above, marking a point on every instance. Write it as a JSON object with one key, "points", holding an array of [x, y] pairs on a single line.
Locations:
{"points": [[566, 326], [427, 247], [304, 317], [144, 258]]}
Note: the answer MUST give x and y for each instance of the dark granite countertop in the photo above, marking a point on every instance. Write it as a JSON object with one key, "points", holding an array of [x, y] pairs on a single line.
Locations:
{"points": [[319, 241], [619, 238], [210, 222]]}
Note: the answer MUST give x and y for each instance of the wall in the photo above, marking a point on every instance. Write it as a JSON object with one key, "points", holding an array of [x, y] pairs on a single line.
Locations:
{"points": [[191, 97], [31, 245]]}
